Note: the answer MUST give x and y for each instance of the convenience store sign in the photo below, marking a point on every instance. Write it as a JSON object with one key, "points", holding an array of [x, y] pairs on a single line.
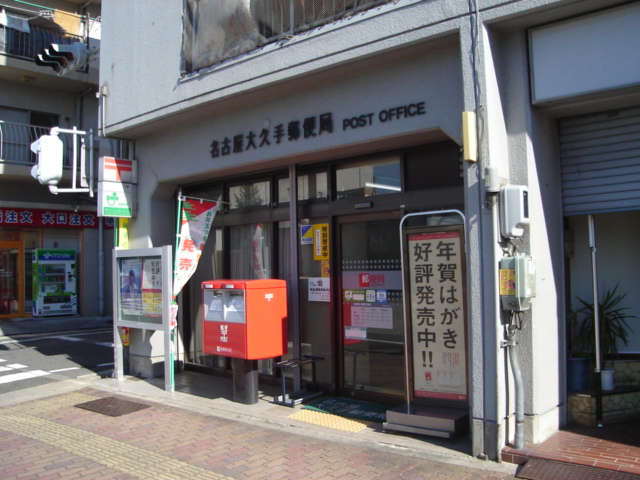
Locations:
{"points": [[117, 187], [116, 199]]}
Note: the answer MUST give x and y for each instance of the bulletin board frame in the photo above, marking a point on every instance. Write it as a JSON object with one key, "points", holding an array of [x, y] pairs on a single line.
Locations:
{"points": [[142, 280], [437, 396]]}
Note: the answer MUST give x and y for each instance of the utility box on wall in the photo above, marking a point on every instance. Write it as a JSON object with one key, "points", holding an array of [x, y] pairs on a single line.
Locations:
{"points": [[244, 318]]}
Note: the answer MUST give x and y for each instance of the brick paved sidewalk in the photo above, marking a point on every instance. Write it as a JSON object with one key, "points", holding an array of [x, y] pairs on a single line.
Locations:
{"points": [[52, 439]]}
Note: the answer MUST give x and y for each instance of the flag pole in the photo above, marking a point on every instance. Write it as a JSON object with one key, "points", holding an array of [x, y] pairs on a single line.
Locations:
{"points": [[182, 197], [175, 258]]}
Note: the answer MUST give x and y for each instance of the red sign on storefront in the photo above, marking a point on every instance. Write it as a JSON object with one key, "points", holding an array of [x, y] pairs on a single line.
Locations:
{"points": [[33, 217]]}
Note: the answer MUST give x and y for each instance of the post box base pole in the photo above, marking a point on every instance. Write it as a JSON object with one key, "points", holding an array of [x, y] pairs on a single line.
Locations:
{"points": [[245, 380]]}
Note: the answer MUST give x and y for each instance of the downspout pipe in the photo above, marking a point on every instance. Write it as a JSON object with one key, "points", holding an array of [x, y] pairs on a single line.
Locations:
{"points": [[596, 318], [100, 267], [510, 345]]}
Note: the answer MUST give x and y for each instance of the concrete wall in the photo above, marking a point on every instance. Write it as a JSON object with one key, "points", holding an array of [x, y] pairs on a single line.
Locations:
{"points": [[432, 78], [38, 99], [136, 33], [533, 161]]}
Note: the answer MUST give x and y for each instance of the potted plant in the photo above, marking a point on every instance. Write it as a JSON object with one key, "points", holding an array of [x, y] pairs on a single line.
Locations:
{"points": [[614, 326], [579, 358]]}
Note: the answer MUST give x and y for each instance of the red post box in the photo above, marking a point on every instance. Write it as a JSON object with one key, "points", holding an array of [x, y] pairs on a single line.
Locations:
{"points": [[245, 318]]}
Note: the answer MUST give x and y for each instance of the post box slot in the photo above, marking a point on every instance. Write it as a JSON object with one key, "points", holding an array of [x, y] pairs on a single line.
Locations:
{"points": [[224, 306]]}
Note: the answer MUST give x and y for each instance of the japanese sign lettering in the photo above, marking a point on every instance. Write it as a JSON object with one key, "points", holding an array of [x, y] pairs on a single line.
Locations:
{"points": [[32, 217], [309, 127], [292, 131], [321, 241], [437, 315]]}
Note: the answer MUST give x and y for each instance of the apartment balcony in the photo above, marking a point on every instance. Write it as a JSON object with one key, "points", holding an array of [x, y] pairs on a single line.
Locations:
{"points": [[18, 50], [28, 45]]}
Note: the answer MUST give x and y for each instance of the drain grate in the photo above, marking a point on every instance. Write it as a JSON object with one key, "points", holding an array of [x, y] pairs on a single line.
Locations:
{"points": [[540, 469], [112, 406]]}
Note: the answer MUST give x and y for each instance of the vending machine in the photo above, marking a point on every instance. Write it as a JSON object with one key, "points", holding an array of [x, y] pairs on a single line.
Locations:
{"points": [[54, 282]]}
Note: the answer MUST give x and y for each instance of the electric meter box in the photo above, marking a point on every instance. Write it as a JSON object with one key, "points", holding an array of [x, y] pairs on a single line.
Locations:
{"points": [[514, 210], [517, 282], [244, 318]]}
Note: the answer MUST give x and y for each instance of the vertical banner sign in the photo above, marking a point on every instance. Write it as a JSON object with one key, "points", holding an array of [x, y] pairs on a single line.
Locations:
{"points": [[321, 241], [196, 217], [437, 315]]}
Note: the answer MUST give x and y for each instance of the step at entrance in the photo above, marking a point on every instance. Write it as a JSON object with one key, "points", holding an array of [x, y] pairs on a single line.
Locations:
{"points": [[432, 421], [541, 469]]}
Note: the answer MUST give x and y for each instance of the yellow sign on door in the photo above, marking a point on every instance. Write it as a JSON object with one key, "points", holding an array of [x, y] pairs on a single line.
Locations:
{"points": [[321, 241]]}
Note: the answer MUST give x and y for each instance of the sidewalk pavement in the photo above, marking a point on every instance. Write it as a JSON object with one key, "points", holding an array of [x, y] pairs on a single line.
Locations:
{"points": [[199, 432], [30, 325]]}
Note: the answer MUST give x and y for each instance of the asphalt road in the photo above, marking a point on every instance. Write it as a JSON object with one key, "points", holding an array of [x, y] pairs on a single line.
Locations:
{"points": [[31, 360]]}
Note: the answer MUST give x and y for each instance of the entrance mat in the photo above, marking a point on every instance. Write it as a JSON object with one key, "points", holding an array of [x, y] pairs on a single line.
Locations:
{"points": [[348, 407], [540, 469], [112, 406], [329, 421]]}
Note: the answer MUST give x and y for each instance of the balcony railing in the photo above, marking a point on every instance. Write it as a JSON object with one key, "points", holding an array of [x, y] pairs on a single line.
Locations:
{"points": [[28, 45], [15, 143]]}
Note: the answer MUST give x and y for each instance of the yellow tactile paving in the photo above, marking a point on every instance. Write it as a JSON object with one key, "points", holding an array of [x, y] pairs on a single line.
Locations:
{"points": [[328, 420], [51, 403], [120, 456]]}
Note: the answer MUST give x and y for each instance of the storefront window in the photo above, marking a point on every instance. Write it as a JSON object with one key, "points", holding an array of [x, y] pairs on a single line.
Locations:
{"points": [[250, 251], [311, 186], [256, 194], [31, 242], [371, 297], [9, 275], [373, 177], [210, 267]]}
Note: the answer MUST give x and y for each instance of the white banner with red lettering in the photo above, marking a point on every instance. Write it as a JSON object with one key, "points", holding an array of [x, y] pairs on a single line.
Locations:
{"points": [[196, 218]]}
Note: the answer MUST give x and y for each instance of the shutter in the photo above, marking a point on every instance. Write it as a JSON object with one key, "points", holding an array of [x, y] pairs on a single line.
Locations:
{"points": [[600, 162]]}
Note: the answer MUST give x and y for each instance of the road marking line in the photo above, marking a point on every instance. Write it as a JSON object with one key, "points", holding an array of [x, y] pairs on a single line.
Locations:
{"points": [[50, 337], [13, 366], [126, 458], [64, 369], [74, 339], [15, 377], [2, 360], [17, 366], [108, 364]]}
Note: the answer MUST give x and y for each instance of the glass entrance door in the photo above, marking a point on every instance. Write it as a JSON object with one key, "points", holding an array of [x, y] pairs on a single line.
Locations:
{"points": [[371, 308], [11, 296]]}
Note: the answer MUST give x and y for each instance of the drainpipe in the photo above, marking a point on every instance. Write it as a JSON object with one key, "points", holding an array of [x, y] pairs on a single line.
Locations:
{"points": [[294, 314], [100, 268], [510, 344], [596, 319]]}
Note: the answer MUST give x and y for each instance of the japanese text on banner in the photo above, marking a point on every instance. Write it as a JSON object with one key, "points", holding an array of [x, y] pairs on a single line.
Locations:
{"points": [[196, 218], [437, 315]]}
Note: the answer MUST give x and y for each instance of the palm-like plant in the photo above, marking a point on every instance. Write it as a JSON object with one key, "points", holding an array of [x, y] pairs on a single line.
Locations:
{"points": [[614, 323]]}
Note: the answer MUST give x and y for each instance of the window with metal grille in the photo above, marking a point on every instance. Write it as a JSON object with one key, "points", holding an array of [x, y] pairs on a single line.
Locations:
{"points": [[214, 30]]}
